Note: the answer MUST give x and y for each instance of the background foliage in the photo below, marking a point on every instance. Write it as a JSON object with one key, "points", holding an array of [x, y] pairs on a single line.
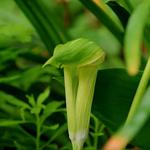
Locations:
{"points": [[32, 101]]}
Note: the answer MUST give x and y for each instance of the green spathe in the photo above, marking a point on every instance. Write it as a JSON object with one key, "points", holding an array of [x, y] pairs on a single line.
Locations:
{"points": [[80, 59], [77, 52]]}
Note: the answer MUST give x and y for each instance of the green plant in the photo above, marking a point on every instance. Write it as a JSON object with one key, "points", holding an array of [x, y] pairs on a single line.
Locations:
{"points": [[33, 112], [80, 59], [120, 102]]}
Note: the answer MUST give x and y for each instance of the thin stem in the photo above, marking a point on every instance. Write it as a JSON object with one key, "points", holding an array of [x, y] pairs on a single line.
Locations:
{"points": [[77, 146], [99, 127], [38, 134], [61, 130], [96, 130], [140, 91]]}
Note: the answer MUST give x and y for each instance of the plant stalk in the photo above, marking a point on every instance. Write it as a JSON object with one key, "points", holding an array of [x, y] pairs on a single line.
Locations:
{"points": [[38, 128], [140, 91]]}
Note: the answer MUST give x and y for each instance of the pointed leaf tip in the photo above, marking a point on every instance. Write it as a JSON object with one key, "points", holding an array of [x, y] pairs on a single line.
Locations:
{"points": [[133, 70], [47, 62]]}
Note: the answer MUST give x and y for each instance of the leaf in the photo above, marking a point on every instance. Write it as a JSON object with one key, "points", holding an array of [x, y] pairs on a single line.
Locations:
{"points": [[4, 123], [43, 96], [10, 54], [46, 27], [104, 18], [10, 18], [38, 106], [13, 90], [89, 148], [19, 146], [8, 79], [29, 76], [134, 35], [97, 134], [130, 129], [31, 100], [59, 132], [126, 4], [79, 52], [50, 108], [114, 93], [13, 100], [16, 134], [135, 3], [120, 11], [51, 127]]}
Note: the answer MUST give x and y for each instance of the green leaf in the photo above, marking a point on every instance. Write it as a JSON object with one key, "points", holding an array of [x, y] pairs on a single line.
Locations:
{"points": [[10, 18], [105, 18], [131, 128], [78, 52], [49, 109], [31, 100], [43, 96], [4, 123], [120, 11], [8, 79], [12, 134], [114, 93], [126, 4], [42, 21], [29, 76], [51, 127], [134, 35], [13, 100], [59, 132], [134, 3]]}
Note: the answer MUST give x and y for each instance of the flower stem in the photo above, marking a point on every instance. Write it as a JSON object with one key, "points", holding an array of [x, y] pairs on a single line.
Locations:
{"points": [[77, 146], [140, 91], [38, 128]]}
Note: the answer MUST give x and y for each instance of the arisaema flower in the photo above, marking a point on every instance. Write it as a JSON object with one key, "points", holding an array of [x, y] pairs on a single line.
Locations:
{"points": [[81, 60]]}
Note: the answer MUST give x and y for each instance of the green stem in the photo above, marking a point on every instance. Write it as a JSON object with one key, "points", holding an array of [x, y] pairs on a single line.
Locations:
{"points": [[96, 131], [38, 134], [77, 145], [140, 91]]}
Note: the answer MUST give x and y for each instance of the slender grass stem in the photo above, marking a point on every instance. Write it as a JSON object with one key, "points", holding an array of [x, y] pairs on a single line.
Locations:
{"points": [[38, 128], [96, 130], [140, 91]]}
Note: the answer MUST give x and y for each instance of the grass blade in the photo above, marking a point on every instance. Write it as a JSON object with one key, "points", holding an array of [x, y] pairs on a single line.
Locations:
{"points": [[133, 37], [104, 18], [50, 35]]}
